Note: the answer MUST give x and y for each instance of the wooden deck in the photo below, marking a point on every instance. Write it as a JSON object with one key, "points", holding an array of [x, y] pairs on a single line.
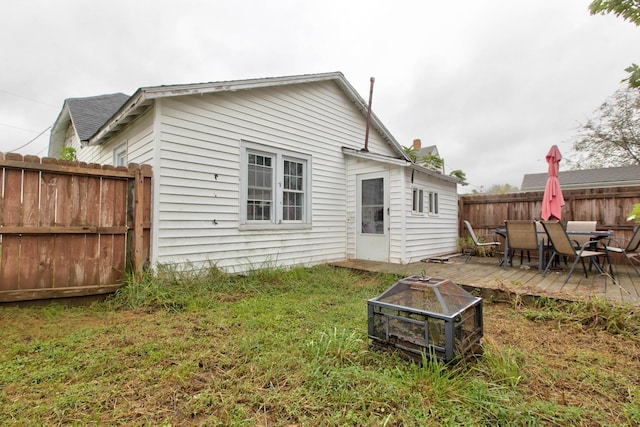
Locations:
{"points": [[484, 273]]}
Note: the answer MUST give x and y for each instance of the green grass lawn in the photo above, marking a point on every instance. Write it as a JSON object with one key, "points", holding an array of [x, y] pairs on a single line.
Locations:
{"points": [[282, 348]]}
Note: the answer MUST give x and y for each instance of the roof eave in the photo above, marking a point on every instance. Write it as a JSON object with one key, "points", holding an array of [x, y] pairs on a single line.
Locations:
{"points": [[137, 105], [399, 162], [152, 92], [143, 99]]}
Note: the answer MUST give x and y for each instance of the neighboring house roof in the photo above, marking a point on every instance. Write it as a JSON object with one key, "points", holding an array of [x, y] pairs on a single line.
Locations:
{"points": [[425, 151], [143, 98], [86, 115], [586, 178]]}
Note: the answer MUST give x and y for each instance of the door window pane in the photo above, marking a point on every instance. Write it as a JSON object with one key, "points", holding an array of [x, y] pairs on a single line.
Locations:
{"points": [[373, 206]]}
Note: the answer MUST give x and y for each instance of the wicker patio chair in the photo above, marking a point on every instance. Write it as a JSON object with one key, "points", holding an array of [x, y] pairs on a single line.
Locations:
{"points": [[479, 243], [563, 246], [630, 251]]}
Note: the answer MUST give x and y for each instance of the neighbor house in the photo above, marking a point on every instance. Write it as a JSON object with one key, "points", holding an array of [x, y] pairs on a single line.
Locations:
{"points": [[623, 176], [267, 172]]}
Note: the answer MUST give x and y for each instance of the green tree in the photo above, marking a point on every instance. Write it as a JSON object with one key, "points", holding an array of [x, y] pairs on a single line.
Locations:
{"points": [[629, 10], [433, 162], [457, 173], [67, 153], [430, 161], [501, 189], [612, 137], [495, 189], [412, 153], [635, 213]]}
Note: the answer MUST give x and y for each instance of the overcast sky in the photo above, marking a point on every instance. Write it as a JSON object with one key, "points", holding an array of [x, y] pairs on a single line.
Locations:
{"points": [[494, 84]]}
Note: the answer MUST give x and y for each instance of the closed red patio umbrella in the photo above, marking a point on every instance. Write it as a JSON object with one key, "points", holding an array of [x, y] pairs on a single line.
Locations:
{"points": [[552, 201]]}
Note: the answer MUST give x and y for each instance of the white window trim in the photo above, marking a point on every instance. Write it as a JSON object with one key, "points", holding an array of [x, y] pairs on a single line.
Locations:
{"points": [[279, 155], [118, 151]]}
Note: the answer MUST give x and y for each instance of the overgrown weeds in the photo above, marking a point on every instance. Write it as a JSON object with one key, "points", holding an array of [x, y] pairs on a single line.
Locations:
{"points": [[290, 347], [595, 313]]}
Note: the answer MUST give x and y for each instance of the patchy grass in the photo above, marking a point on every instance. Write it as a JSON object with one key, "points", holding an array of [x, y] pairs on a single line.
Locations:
{"points": [[291, 348]]}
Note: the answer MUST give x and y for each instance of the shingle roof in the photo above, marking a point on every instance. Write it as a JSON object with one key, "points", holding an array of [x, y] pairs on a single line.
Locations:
{"points": [[425, 151], [605, 177], [88, 114]]}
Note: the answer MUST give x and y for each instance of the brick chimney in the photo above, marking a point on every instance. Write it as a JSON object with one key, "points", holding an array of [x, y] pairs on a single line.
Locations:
{"points": [[417, 144]]}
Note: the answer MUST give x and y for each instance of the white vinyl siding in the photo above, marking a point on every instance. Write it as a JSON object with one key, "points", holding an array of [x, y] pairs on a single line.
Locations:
{"points": [[432, 234], [194, 144], [412, 237], [139, 144], [199, 169]]}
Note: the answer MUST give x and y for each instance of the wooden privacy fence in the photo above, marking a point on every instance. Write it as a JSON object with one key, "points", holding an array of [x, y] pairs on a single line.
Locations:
{"points": [[610, 207], [70, 229]]}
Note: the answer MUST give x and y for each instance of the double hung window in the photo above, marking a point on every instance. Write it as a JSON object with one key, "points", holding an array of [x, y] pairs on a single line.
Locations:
{"points": [[275, 190]]}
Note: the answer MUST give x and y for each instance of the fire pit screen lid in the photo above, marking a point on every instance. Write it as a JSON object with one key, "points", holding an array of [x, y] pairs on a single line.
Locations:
{"points": [[439, 296]]}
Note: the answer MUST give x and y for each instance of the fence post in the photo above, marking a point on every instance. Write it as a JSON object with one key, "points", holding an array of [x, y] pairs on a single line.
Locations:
{"points": [[138, 222]]}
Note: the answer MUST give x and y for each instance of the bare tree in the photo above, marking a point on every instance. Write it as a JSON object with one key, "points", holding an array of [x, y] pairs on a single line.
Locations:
{"points": [[612, 137]]}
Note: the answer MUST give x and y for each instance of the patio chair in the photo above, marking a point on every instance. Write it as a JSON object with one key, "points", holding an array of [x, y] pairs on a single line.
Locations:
{"points": [[479, 244], [546, 247], [578, 227], [563, 246], [630, 251], [523, 236]]}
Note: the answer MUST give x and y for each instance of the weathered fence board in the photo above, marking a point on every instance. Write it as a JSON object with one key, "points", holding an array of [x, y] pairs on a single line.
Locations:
{"points": [[69, 228], [610, 207]]}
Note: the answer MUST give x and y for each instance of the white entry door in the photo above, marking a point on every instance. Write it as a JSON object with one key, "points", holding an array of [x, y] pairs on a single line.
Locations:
{"points": [[372, 226]]}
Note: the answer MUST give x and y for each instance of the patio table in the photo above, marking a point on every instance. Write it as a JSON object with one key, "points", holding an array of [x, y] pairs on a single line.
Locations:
{"points": [[502, 231]]}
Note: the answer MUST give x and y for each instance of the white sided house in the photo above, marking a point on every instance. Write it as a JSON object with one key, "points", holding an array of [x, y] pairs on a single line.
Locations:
{"points": [[267, 172]]}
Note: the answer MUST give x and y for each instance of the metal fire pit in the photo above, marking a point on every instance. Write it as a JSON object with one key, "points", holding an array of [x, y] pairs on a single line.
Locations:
{"points": [[426, 315]]}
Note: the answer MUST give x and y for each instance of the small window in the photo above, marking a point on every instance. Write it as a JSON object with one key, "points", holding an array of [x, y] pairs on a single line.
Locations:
{"points": [[433, 203], [418, 201], [120, 155]]}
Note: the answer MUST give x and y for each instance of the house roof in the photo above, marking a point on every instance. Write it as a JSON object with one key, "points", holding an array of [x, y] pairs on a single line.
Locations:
{"points": [[143, 98], [86, 115], [586, 178], [425, 151]]}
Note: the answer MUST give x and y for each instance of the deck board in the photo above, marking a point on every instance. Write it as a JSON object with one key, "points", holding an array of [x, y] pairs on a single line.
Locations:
{"points": [[485, 273]]}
